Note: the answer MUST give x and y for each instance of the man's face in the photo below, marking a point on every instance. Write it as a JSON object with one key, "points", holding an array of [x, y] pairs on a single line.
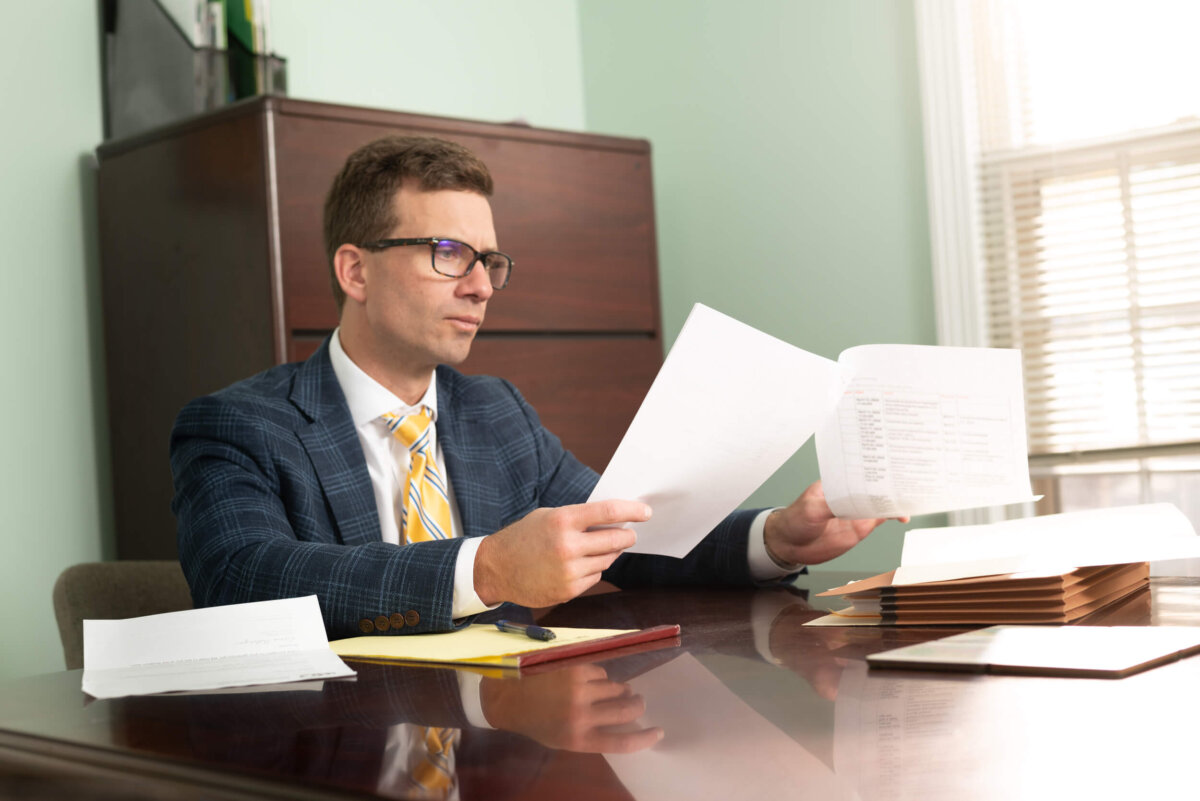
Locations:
{"points": [[417, 317]]}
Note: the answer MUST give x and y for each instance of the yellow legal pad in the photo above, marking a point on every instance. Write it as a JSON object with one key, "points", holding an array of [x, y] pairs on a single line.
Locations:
{"points": [[484, 644]]}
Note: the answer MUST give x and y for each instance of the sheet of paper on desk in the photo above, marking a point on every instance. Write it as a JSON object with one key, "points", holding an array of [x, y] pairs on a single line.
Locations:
{"points": [[267, 642], [729, 406], [1099, 651], [1047, 544]]}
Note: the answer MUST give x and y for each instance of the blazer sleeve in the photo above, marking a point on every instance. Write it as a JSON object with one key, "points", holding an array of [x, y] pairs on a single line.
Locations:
{"points": [[253, 525]]}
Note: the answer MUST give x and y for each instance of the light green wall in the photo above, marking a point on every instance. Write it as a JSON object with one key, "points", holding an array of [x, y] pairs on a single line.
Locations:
{"points": [[788, 171], [51, 484], [479, 59], [470, 58]]}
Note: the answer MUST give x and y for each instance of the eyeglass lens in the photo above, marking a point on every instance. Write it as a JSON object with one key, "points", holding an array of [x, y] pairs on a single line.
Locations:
{"points": [[455, 258]]}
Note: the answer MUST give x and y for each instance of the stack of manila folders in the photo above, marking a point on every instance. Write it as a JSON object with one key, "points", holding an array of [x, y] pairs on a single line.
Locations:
{"points": [[1049, 569]]}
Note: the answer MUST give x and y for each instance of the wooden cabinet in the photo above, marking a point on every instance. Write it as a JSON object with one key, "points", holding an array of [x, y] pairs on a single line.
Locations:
{"points": [[213, 269]]}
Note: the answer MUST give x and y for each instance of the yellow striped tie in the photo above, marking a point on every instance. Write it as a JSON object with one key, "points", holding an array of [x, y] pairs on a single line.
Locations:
{"points": [[433, 776], [425, 506]]}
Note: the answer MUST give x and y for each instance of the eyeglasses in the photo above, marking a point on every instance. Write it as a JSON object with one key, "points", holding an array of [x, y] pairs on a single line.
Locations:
{"points": [[455, 259]]}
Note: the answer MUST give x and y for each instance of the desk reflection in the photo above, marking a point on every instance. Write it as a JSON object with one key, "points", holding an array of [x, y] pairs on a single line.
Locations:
{"points": [[743, 706], [716, 746], [370, 733], [1017, 737], [575, 708]]}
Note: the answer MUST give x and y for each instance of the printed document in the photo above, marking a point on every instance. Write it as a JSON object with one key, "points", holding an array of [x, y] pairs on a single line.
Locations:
{"points": [[267, 642], [917, 429], [901, 429]]}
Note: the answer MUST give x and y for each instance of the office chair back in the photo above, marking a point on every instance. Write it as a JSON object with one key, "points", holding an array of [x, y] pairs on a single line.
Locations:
{"points": [[113, 591]]}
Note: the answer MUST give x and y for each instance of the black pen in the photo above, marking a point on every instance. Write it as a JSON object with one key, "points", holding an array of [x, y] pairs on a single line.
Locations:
{"points": [[531, 631]]}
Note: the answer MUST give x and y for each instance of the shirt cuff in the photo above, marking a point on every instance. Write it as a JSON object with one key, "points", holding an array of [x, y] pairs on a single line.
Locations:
{"points": [[466, 601], [762, 566]]}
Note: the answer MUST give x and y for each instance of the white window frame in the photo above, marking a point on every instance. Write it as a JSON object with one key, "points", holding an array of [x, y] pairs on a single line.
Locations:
{"points": [[952, 169], [951, 177]]}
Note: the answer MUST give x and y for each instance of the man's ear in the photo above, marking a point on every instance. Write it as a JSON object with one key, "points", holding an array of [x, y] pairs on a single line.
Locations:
{"points": [[349, 267]]}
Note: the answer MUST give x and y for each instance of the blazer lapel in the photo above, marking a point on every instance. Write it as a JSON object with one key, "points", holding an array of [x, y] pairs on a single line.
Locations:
{"points": [[332, 444], [474, 480]]}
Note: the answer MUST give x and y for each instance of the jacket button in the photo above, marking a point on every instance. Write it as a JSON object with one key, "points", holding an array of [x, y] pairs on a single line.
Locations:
{"points": [[382, 624], [411, 617], [397, 620], [366, 626]]}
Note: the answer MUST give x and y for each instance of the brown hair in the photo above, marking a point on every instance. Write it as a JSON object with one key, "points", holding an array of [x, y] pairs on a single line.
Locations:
{"points": [[359, 207]]}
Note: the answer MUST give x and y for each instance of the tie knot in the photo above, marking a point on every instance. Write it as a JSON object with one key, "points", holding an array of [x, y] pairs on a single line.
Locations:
{"points": [[411, 429]]}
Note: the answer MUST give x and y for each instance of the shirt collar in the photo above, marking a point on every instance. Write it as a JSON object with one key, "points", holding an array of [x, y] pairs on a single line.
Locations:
{"points": [[365, 396]]}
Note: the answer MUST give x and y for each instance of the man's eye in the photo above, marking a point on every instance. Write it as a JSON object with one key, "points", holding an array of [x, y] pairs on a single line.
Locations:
{"points": [[448, 251]]}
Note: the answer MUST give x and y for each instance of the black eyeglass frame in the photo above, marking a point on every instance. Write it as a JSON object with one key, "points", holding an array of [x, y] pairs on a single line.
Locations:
{"points": [[432, 241]]}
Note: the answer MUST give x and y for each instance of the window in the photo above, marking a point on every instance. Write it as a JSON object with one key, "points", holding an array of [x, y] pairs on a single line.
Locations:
{"points": [[1063, 142]]}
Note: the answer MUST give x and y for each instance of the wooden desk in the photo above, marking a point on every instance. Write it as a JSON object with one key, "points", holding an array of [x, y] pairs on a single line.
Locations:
{"points": [[815, 725]]}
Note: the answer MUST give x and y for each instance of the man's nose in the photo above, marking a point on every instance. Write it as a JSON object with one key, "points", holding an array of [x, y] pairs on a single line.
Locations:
{"points": [[477, 282]]}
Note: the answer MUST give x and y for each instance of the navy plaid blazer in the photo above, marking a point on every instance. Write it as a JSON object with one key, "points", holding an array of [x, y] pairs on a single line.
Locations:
{"points": [[273, 499]]}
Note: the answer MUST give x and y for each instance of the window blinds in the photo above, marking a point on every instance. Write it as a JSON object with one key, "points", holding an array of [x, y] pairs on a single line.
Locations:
{"points": [[1090, 248]]}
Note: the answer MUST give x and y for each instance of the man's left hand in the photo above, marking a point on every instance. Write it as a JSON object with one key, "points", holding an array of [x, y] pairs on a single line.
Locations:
{"points": [[807, 532]]}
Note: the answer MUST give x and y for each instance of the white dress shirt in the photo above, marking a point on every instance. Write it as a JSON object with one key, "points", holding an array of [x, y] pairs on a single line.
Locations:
{"points": [[388, 463]]}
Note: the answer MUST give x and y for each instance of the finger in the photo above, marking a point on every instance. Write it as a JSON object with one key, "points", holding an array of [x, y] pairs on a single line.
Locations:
{"points": [[589, 672], [612, 512], [607, 541], [617, 711], [814, 490], [575, 675], [574, 587], [814, 507], [599, 692], [590, 568]]}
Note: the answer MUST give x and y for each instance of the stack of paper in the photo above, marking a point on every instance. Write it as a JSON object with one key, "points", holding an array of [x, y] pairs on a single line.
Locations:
{"points": [[1050, 569], [1009, 598]]}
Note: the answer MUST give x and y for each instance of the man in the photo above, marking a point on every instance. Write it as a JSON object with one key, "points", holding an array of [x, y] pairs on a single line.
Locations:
{"points": [[371, 473]]}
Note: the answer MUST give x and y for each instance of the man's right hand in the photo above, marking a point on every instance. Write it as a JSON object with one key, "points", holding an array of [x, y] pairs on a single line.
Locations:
{"points": [[550, 555]]}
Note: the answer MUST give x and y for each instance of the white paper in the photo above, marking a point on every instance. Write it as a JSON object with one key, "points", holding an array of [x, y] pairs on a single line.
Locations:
{"points": [[729, 406], [901, 429], [1078, 648], [1050, 543], [917, 429], [266, 642]]}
